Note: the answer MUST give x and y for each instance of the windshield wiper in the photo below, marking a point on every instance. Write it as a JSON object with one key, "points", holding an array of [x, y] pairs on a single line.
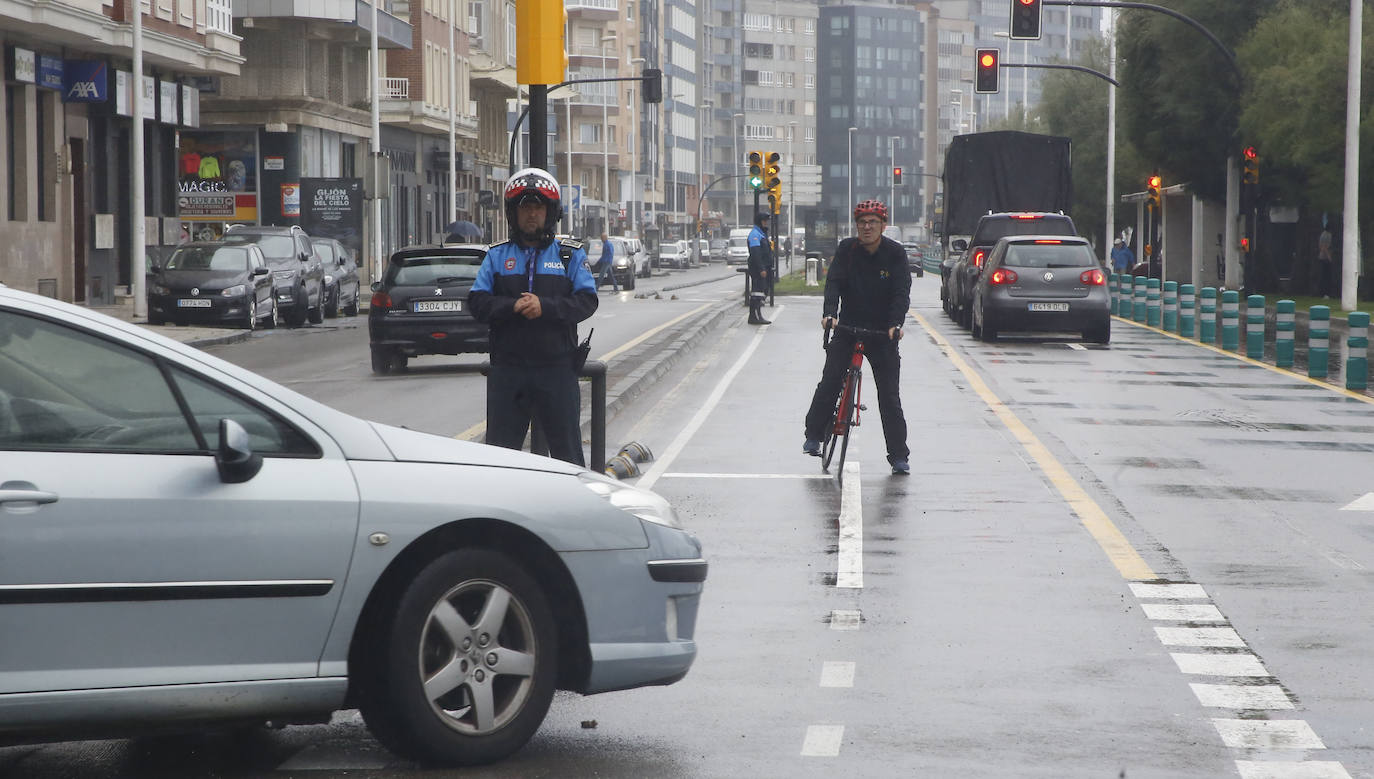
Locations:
{"points": [[450, 279]]}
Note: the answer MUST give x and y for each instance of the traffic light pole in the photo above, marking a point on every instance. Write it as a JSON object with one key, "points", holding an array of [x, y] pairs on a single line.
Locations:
{"points": [[537, 110]]}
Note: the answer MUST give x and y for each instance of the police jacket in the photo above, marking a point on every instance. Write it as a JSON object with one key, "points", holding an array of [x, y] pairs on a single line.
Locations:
{"points": [[760, 252], [566, 291], [868, 290]]}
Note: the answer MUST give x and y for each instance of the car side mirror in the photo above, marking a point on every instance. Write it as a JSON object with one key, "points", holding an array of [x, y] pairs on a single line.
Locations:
{"points": [[343, 262], [959, 245], [259, 271], [234, 455], [376, 286], [305, 257], [154, 268]]}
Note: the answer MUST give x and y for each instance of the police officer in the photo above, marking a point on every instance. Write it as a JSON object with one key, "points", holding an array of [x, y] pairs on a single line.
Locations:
{"points": [[760, 263], [532, 292]]}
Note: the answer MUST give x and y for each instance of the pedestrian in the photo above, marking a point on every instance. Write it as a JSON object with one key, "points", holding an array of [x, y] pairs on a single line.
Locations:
{"points": [[868, 286], [1325, 265], [607, 264], [1122, 256], [760, 262], [532, 292]]}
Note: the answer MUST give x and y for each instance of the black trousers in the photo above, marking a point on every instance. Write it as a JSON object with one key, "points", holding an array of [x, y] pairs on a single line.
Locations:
{"points": [[886, 363], [515, 394]]}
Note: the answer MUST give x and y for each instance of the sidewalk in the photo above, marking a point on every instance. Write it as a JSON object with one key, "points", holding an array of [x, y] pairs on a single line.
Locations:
{"points": [[194, 335]]}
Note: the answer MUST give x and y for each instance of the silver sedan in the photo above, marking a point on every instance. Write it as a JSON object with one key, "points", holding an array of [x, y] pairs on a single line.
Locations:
{"points": [[1042, 283], [184, 543]]}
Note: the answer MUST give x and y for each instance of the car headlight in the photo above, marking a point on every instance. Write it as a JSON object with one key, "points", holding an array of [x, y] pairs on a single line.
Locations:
{"points": [[328, 279], [648, 506], [235, 291], [622, 263], [158, 289]]}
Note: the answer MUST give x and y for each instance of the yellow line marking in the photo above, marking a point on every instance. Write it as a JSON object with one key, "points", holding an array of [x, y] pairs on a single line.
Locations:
{"points": [[1119, 550], [479, 429], [1239, 356]]}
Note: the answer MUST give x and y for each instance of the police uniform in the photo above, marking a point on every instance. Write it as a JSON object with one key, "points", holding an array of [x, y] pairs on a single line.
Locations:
{"points": [[532, 359], [760, 261], [870, 291]]}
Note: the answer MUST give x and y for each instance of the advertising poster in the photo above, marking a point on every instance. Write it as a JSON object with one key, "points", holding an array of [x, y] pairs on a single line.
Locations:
{"points": [[290, 199], [333, 208], [217, 177]]}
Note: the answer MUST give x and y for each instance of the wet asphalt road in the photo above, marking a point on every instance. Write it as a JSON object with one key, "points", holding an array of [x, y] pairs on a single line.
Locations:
{"points": [[1143, 560]]}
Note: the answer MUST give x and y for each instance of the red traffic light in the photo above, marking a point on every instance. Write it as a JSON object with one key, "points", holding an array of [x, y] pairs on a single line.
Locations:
{"points": [[1250, 153], [988, 60], [1154, 182], [987, 70]]}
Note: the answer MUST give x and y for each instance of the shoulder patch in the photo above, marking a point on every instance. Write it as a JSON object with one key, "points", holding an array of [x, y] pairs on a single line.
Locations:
{"points": [[571, 243], [498, 243]]}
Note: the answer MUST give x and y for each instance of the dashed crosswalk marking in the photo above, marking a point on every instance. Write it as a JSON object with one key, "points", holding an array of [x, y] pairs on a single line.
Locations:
{"points": [[1291, 769], [845, 619], [1222, 637], [1238, 696], [822, 741], [837, 673], [1267, 734], [1185, 612], [1219, 664], [1143, 590]]}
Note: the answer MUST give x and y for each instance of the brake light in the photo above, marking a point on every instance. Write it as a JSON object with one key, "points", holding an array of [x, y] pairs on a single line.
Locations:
{"points": [[381, 301], [1025, 216], [1003, 276], [978, 257], [1093, 277], [1049, 240]]}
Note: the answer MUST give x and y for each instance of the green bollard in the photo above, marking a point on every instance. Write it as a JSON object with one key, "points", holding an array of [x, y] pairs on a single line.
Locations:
{"points": [[1123, 298], [1254, 327], [1284, 325], [1230, 320], [1152, 303], [1187, 311], [1142, 284], [1318, 340], [1357, 350], [1209, 315], [1171, 306]]}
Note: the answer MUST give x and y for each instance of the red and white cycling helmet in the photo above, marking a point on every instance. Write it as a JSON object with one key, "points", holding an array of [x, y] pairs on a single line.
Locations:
{"points": [[871, 208]]}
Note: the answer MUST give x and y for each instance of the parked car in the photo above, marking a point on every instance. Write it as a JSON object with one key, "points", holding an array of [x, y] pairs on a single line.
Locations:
{"points": [[1042, 283], [991, 227], [701, 251], [915, 258], [674, 254], [213, 282], [719, 249], [342, 287], [297, 272], [631, 261], [190, 545], [420, 306], [738, 251]]}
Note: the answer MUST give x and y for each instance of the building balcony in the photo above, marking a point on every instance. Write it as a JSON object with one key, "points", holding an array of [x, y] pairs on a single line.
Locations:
{"points": [[593, 9], [348, 17]]}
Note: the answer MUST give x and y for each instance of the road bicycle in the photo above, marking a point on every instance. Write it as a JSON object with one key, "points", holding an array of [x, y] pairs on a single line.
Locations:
{"points": [[848, 405]]}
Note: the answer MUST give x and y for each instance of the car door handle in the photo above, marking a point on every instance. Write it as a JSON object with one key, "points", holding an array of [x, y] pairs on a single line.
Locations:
{"points": [[27, 496]]}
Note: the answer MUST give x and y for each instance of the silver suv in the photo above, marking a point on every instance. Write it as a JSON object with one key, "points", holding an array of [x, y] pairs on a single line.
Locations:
{"points": [[297, 270]]}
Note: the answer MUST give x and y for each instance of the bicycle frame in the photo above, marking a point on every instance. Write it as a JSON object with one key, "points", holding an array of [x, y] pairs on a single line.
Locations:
{"points": [[848, 406]]}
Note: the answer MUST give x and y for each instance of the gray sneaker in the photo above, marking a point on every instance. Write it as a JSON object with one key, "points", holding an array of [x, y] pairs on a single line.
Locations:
{"points": [[812, 447]]}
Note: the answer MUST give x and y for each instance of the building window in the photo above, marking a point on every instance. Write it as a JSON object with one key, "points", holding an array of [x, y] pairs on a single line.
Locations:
{"points": [[809, 53], [809, 27], [589, 133], [810, 80]]}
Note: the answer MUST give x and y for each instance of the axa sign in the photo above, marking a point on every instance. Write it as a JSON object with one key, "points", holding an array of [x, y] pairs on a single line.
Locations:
{"points": [[85, 81]]}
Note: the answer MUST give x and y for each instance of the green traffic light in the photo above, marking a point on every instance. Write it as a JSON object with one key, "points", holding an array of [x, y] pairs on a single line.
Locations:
{"points": [[756, 182]]}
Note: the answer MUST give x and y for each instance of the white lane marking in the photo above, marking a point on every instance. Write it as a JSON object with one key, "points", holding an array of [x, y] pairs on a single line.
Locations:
{"points": [[1267, 734], [837, 673], [1183, 612], [1363, 503], [1199, 637], [1168, 591], [675, 448], [1238, 696], [1218, 665], [845, 619], [1291, 769], [850, 563], [685, 475], [1079, 347], [822, 741]]}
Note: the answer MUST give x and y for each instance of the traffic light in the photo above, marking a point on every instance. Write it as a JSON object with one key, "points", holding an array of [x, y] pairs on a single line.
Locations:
{"points": [[772, 180], [896, 176], [1153, 185], [987, 66], [756, 170], [1025, 20], [1250, 175], [541, 56], [653, 85]]}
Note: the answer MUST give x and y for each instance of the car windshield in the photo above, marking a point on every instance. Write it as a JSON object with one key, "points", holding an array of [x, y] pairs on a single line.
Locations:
{"points": [[993, 229], [1049, 255], [743, 243], [434, 269], [326, 252], [209, 258], [278, 249]]}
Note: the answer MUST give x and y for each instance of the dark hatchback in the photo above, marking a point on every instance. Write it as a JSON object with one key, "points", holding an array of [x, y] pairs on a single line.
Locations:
{"points": [[212, 283], [420, 306], [1042, 283]]}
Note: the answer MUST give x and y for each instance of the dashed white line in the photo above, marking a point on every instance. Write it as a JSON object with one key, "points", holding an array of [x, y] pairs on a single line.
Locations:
{"points": [[1291, 769], [837, 673], [1267, 734], [1268, 697], [1168, 591], [1363, 503], [1219, 664], [1183, 612], [822, 741], [845, 619], [1227, 637], [850, 563]]}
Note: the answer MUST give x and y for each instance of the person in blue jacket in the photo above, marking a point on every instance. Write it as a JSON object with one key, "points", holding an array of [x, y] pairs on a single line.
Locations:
{"points": [[760, 263], [532, 292]]}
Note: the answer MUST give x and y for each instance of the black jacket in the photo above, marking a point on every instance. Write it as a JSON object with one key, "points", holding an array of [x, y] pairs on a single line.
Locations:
{"points": [[868, 290], [567, 295]]}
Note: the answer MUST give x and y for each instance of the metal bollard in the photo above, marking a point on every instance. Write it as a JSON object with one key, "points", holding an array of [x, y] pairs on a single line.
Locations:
{"points": [[1230, 320], [1152, 302], [1138, 299], [1171, 306], [1284, 326], [1208, 330], [1357, 354], [1187, 311], [1254, 327], [1318, 340]]}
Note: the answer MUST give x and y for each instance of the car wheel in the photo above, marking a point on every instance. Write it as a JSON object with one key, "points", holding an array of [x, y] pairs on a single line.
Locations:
{"points": [[381, 360], [250, 322], [316, 314], [331, 306], [630, 282], [298, 310], [352, 308], [1099, 334], [272, 315], [975, 327], [466, 663], [154, 319]]}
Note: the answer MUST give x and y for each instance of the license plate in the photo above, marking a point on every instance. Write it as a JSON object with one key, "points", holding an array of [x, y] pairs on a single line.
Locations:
{"points": [[438, 305], [193, 303], [1049, 306]]}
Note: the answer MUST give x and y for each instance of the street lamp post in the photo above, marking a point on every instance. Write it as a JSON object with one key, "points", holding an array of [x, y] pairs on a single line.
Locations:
{"points": [[892, 186], [605, 141], [850, 171], [792, 194], [734, 132], [636, 191]]}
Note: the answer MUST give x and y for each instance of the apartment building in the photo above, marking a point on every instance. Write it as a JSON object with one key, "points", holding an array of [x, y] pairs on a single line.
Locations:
{"points": [[67, 117]]}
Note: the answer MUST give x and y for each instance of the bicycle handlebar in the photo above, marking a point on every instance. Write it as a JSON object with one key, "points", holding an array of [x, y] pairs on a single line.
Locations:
{"points": [[861, 332]]}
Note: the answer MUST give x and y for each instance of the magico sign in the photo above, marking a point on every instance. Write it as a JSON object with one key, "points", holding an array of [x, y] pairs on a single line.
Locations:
{"points": [[217, 176]]}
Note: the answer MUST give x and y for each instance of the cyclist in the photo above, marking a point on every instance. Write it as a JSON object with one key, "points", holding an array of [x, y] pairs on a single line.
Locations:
{"points": [[868, 286]]}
